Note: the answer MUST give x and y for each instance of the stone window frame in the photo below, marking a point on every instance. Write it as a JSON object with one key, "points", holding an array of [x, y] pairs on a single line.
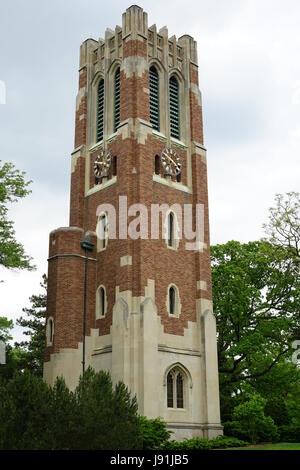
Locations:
{"points": [[178, 305], [99, 302], [49, 339], [100, 241], [175, 370]]}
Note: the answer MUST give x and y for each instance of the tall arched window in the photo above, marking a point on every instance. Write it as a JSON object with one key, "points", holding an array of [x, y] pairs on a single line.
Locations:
{"points": [[154, 98], [174, 108], [101, 302], [100, 111], [171, 229], [172, 300], [176, 383], [50, 331], [117, 100]]}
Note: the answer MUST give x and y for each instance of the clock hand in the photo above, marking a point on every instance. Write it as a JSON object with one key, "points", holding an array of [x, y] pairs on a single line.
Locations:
{"points": [[176, 164]]}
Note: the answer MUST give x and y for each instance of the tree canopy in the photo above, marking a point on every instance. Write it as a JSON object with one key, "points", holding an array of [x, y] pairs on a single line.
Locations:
{"points": [[12, 188]]}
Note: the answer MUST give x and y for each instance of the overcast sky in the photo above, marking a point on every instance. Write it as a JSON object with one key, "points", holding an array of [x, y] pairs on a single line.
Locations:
{"points": [[249, 69]]}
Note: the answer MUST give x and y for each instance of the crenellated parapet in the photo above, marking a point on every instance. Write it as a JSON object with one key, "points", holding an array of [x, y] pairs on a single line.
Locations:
{"points": [[170, 51]]}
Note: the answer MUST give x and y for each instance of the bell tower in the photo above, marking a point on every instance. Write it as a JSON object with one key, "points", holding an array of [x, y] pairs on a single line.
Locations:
{"points": [[139, 194]]}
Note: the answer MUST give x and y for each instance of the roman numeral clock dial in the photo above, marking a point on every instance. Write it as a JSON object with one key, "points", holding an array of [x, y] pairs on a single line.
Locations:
{"points": [[102, 164], [171, 162]]}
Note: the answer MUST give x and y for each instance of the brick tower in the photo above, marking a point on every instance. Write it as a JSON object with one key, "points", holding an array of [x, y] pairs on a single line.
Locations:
{"points": [[149, 313]]}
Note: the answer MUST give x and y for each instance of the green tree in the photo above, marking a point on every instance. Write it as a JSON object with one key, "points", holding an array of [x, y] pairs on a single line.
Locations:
{"points": [[24, 412], [12, 355], [283, 227], [34, 324], [6, 326], [155, 433], [96, 416], [256, 293], [256, 297], [249, 421], [256, 303], [280, 387], [106, 416], [12, 187]]}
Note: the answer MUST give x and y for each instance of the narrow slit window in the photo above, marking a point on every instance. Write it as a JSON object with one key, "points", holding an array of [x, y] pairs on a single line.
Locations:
{"points": [[171, 229], [117, 100], [51, 330], [174, 108], [100, 111], [154, 98], [114, 166]]}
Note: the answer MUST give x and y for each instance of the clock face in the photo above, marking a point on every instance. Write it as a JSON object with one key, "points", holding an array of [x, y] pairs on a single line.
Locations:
{"points": [[171, 162], [102, 164]]}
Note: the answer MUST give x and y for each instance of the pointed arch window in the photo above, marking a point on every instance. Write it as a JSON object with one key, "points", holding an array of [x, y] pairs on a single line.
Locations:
{"points": [[174, 107], [117, 100], [100, 110], [50, 331], [176, 383], [172, 300], [154, 98], [101, 302]]}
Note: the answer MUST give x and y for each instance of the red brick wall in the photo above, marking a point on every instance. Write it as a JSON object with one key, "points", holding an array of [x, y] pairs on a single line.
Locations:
{"points": [[151, 258], [65, 289]]}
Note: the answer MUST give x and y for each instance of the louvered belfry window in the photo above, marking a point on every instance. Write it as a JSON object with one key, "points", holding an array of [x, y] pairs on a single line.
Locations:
{"points": [[174, 108], [100, 111], [117, 100], [154, 98]]}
